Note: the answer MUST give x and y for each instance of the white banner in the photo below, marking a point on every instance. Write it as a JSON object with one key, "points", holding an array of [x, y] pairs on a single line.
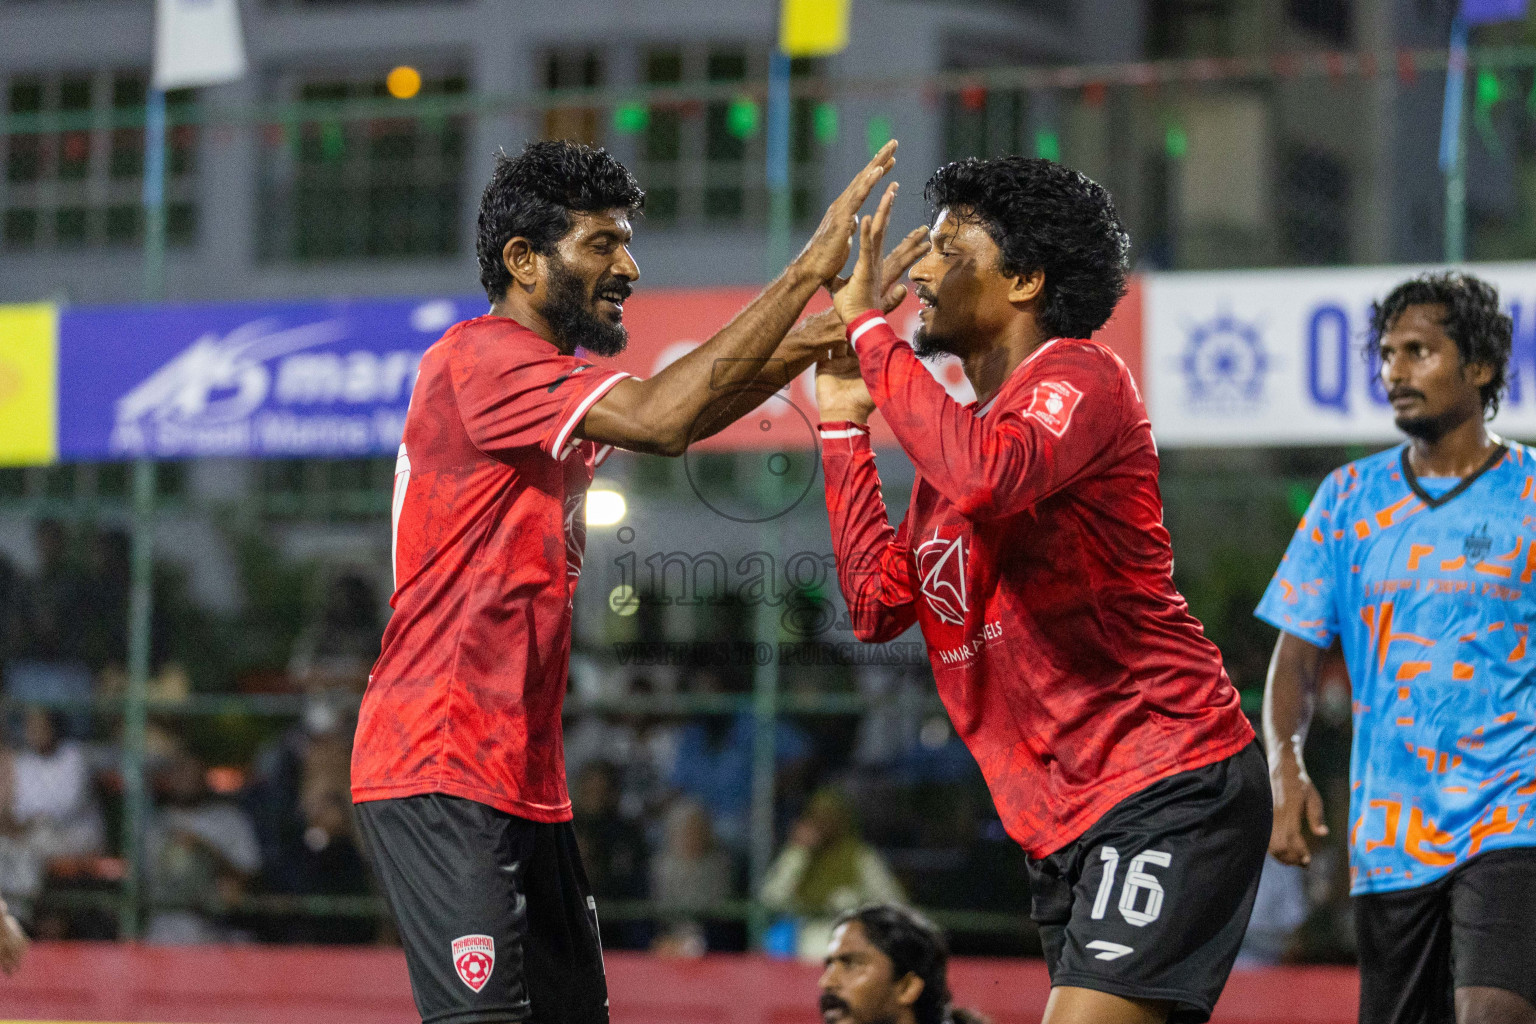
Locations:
{"points": [[1276, 357], [197, 42]]}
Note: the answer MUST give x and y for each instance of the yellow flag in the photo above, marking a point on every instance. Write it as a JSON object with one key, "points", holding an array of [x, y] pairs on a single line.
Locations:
{"points": [[29, 347], [813, 28]]}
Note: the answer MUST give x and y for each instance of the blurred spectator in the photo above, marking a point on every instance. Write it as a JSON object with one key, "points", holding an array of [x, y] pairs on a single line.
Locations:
{"points": [[13, 941], [56, 598], [644, 749], [1279, 909], [714, 763], [337, 650], [47, 662], [104, 629], [300, 801], [689, 875], [825, 871], [612, 847], [200, 852], [47, 808], [12, 610]]}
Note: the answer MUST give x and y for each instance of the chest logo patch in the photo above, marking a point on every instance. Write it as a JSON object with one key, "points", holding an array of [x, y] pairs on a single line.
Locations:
{"points": [[474, 957], [1053, 403], [1478, 543], [941, 565]]}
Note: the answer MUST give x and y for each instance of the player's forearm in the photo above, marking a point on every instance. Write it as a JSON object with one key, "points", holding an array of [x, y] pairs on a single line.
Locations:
{"points": [[775, 375], [700, 389], [1289, 690], [862, 536]]}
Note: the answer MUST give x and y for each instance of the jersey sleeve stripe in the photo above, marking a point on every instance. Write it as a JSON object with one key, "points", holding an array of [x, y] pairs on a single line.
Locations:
{"points": [[557, 446], [864, 328]]}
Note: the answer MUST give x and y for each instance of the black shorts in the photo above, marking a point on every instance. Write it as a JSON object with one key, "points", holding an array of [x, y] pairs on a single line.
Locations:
{"points": [[494, 911], [1151, 902], [1474, 927]]}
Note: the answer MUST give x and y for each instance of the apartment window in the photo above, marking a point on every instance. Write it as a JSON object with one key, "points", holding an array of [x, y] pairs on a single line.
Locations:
{"points": [[1314, 203], [1331, 21], [74, 179], [339, 186], [1193, 28], [984, 123], [573, 69], [702, 161]]}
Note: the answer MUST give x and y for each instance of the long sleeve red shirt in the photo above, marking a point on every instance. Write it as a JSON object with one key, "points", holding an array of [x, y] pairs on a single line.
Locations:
{"points": [[1034, 558]]}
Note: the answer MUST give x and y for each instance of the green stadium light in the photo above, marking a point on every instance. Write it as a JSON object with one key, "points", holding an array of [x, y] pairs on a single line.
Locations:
{"points": [[824, 123], [1048, 145], [1486, 95], [631, 118], [742, 118], [1488, 90], [1175, 142], [877, 133], [333, 144]]}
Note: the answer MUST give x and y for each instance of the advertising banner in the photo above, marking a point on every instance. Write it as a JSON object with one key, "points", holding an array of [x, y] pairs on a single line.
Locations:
{"points": [[28, 363], [272, 380], [290, 380], [1278, 357]]}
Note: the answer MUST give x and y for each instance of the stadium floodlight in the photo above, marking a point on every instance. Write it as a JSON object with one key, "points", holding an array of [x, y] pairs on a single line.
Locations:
{"points": [[605, 508], [403, 82]]}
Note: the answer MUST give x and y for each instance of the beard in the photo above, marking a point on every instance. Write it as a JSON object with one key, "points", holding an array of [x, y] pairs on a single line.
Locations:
{"points": [[1428, 428], [568, 311], [928, 345]]}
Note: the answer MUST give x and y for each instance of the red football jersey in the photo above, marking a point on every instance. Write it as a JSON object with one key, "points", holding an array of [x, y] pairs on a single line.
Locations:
{"points": [[1034, 558], [489, 528]]}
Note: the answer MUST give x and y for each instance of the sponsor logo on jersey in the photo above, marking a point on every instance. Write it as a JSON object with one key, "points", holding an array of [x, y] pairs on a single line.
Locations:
{"points": [[1478, 543], [1053, 404], [941, 563], [474, 957]]}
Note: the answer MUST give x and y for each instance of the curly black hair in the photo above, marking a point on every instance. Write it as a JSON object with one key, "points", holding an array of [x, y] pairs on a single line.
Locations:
{"points": [[914, 945], [1047, 217], [1483, 333], [532, 195]]}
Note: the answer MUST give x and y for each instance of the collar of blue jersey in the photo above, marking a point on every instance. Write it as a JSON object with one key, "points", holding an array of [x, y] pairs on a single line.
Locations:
{"points": [[1412, 478]]}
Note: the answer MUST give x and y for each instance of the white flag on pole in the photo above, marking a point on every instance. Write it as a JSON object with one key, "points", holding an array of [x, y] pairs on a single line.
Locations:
{"points": [[197, 42]]}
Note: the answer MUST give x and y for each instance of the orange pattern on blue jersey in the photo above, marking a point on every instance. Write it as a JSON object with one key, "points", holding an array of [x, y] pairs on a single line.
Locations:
{"points": [[1431, 595]]}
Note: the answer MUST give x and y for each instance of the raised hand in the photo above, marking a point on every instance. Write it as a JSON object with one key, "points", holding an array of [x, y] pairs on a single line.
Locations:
{"points": [[897, 262], [827, 251], [863, 290]]}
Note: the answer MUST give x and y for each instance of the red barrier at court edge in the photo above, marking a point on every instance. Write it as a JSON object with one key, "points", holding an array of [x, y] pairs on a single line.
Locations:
{"points": [[298, 985]]}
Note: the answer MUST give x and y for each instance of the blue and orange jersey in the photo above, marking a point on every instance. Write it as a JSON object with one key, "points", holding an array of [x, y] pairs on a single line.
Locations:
{"points": [[1429, 584]]}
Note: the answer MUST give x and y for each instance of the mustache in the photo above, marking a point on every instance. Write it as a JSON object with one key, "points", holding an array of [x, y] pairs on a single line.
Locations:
{"points": [[831, 1002], [1397, 393], [927, 295], [614, 286]]}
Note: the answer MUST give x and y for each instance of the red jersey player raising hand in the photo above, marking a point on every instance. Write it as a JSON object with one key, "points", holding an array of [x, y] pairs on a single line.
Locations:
{"points": [[1034, 558], [458, 769]]}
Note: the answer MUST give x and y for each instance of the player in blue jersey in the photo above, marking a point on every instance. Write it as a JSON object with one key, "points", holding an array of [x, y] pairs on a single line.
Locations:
{"points": [[1421, 563]]}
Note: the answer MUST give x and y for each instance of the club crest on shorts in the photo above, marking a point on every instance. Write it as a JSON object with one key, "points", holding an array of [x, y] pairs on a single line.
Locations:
{"points": [[474, 957]]}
